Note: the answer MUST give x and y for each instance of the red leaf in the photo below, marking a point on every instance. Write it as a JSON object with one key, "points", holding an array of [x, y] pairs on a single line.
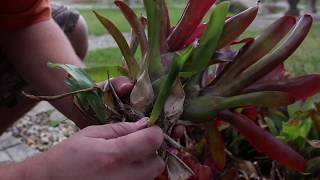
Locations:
{"points": [[300, 88], [165, 28], [236, 25], [251, 112], [191, 18], [279, 73], [245, 41], [135, 23], [270, 61], [257, 49], [264, 142], [203, 172], [230, 175], [196, 34], [216, 146]]}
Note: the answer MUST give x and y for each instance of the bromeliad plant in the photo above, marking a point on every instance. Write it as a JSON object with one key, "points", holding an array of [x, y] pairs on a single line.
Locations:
{"points": [[194, 84]]}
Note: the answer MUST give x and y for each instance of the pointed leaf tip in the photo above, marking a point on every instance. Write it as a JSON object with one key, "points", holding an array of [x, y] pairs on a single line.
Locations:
{"points": [[123, 45], [265, 142]]}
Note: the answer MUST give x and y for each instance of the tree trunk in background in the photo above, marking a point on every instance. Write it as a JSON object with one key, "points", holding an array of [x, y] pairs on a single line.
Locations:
{"points": [[293, 8]]}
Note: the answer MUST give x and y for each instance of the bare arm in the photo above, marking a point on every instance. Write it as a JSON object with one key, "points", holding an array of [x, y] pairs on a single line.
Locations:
{"points": [[30, 49]]}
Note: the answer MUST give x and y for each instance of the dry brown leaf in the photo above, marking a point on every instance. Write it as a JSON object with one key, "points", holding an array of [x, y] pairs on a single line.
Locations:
{"points": [[248, 169], [177, 170], [173, 107], [142, 95]]}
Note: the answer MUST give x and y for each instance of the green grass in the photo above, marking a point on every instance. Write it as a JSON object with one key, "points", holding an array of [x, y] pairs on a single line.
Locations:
{"points": [[115, 15], [106, 56], [95, 28], [305, 60]]}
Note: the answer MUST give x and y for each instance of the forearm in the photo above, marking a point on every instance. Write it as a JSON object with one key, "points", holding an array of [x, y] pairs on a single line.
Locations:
{"points": [[30, 169], [31, 49]]}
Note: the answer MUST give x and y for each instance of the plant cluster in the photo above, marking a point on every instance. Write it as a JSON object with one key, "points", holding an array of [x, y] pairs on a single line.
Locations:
{"points": [[202, 84]]}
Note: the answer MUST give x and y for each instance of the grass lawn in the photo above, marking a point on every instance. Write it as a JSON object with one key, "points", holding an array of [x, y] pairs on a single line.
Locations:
{"points": [[115, 15], [305, 60], [95, 28]]}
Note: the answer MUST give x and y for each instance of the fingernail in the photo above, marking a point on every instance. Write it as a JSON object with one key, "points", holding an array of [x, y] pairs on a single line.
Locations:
{"points": [[143, 122]]}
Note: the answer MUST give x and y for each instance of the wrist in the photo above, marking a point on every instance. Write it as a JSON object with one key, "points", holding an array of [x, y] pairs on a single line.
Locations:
{"points": [[11, 171], [34, 168]]}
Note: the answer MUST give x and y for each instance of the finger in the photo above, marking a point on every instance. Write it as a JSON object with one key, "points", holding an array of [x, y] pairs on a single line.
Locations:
{"points": [[136, 146], [115, 130], [122, 85]]}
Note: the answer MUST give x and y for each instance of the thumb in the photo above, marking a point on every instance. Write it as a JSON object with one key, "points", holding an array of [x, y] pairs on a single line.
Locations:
{"points": [[122, 85], [115, 130]]}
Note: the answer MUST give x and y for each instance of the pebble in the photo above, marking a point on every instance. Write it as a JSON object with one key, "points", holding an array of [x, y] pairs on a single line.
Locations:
{"points": [[42, 130]]}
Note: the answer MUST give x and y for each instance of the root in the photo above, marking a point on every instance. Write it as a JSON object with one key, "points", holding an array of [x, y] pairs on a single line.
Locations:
{"points": [[52, 98]]}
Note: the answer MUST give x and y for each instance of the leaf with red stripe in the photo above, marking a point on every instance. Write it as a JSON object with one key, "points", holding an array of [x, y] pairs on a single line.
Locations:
{"points": [[272, 60], [190, 20], [135, 23], [300, 88], [264, 142], [257, 49], [236, 25]]}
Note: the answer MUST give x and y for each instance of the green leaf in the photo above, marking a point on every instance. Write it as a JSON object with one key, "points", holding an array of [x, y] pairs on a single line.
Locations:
{"points": [[178, 60], [205, 108], [54, 123], [89, 101], [294, 129], [133, 66], [80, 77], [100, 73], [271, 126], [152, 60], [164, 91], [305, 128], [209, 41]]}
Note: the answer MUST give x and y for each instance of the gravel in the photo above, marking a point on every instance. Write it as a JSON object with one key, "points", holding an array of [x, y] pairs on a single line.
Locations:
{"points": [[44, 129]]}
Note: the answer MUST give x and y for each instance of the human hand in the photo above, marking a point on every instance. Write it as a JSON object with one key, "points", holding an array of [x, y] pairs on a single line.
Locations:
{"points": [[119, 151]]}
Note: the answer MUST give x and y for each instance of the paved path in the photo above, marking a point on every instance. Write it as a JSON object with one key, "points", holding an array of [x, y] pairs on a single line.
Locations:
{"points": [[13, 150], [104, 41]]}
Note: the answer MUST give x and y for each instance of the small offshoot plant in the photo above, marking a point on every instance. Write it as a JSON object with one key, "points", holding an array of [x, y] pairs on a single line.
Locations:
{"points": [[198, 80]]}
